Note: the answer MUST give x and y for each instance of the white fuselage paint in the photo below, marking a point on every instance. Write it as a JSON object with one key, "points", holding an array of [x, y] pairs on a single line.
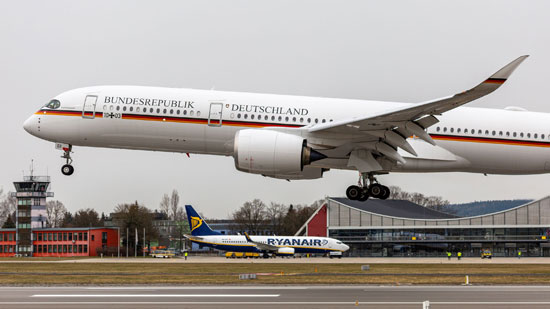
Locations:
{"points": [[301, 244], [179, 122]]}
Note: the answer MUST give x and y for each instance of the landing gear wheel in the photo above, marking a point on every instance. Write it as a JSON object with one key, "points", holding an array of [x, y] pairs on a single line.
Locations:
{"points": [[376, 190], [364, 195], [67, 169], [353, 192], [386, 193]]}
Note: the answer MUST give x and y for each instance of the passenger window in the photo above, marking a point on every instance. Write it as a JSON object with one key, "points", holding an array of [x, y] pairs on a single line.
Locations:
{"points": [[444, 129], [252, 116], [112, 107], [494, 133], [164, 111], [301, 119], [158, 110], [198, 113], [437, 129], [118, 108], [458, 130], [528, 135], [266, 117], [316, 120], [245, 116], [486, 132], [137, 109], [500, 133], [178, 112], [171, 111], [272, 118], [521, 134], [309, 120], [536, 135], [124, 109], [515, 134], [507, 134], [452, 130], [294, 119], [479, 132], [131, 108], [191, 113], [473, 131], [323, 121], [542, 136], [185, 112], [286, 118], [280, 118]]}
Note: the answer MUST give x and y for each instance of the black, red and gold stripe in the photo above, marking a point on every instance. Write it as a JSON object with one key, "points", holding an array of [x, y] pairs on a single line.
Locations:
{"points": [[162, 118], [495, 81], [486, 140]]}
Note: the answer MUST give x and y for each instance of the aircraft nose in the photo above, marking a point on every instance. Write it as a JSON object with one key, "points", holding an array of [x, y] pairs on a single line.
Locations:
{"points": [[346, 247], [29, 124]]}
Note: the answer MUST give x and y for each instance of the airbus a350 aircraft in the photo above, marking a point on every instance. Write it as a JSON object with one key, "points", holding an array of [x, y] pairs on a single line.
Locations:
{"points": [[202, 234], [293, 137]]}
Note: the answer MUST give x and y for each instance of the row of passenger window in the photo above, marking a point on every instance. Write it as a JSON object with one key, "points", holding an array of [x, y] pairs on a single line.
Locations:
{"points": [[150, 110], [62, 236], [492, 133], [192, 113], [61, 248], [279, 118]]}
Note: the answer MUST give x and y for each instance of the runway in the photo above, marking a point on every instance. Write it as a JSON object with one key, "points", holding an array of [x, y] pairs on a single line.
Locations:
{"points": [[276, 296]]}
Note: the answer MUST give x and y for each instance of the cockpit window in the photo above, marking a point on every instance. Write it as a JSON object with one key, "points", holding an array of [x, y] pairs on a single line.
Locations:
{"points": [[339, 242], [53, 104]]}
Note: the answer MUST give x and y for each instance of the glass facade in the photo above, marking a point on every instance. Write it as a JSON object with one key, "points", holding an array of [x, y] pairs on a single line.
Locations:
{"points": [[525, 228]]}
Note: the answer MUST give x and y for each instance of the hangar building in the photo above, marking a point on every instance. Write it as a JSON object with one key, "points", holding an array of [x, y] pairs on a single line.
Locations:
{"points": [[400, 228]]}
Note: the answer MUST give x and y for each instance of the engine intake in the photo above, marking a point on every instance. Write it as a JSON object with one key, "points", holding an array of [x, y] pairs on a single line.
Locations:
{"points": [[271, 152]]}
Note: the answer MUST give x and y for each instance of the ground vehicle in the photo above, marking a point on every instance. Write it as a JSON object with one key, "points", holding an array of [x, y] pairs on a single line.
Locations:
{"points": [[486, 254], [334, 254], [162, 254]]}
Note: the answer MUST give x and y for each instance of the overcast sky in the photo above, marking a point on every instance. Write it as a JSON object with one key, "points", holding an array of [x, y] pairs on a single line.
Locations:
{"points": [[408, 51]]}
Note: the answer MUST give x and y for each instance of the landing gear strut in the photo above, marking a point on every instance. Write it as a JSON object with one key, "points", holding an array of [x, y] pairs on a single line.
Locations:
{"points": [[67, 169], [367, 187]]}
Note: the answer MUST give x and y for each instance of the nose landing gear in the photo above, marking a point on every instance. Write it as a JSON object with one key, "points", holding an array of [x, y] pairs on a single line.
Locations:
{"points": [[367, 187], [67, 169]]}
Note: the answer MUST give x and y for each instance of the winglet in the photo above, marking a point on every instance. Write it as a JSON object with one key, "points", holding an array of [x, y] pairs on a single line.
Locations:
{"points": [[247, 237], [502, 75]]}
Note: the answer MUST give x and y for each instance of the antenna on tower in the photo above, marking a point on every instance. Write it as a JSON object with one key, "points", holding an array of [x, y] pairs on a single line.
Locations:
{"points": [[32, 167]]}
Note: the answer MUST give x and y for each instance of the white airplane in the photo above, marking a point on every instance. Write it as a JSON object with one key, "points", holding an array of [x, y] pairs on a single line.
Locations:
{"points": [[202, 234], [294, 137]]}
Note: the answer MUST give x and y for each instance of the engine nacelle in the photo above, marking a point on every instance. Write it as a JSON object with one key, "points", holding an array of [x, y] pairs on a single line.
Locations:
{"points": [[272, 153], [285, 251], [309, 172]]}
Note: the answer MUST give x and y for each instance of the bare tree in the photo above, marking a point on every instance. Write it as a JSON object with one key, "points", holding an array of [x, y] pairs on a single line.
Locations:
{"points": [[165, 204], [8, 205], [251, 216], [55, 210], [275, 215], [175, 211], [433, 202]]}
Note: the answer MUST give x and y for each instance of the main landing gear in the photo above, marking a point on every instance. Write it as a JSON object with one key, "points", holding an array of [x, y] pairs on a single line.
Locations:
{"points": [[367, 187], [67, 169]]}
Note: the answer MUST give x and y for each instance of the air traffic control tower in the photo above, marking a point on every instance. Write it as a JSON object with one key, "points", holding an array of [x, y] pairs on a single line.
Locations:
{"points": [[31, 194]]}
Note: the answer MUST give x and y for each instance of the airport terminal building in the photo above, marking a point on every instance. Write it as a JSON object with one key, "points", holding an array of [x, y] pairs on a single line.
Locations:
{"points": [[388, 228]]}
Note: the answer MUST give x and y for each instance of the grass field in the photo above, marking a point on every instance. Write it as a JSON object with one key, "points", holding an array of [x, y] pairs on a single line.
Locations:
{"points": [[273, 273]]}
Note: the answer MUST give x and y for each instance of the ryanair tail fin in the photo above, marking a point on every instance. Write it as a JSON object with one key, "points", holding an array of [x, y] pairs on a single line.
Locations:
{"points": [[197, 224]]}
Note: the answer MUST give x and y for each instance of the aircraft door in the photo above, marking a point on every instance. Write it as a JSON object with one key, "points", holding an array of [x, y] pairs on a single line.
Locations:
{"points": [[88, 110], [215, 115]]}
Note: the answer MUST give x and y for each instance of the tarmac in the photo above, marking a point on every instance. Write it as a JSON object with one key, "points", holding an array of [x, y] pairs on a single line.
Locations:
{"points": [[384, 297], [313, 260]]}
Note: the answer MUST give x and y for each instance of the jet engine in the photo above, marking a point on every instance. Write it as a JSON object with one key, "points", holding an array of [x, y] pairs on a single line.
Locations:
{"points": [[272, 153], [285, 251]]}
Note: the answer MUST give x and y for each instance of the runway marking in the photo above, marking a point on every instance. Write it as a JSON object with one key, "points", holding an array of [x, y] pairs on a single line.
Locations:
{"points": [[217, 288], [152, 295], [272, 303]]}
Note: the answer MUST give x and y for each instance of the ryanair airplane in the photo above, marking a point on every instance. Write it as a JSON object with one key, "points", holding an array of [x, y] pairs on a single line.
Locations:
{"points": [[202, 234]]}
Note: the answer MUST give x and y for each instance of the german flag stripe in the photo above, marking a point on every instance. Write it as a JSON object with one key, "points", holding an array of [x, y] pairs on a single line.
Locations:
{"points": [[484, 140], [168, 119], [495, 81]]}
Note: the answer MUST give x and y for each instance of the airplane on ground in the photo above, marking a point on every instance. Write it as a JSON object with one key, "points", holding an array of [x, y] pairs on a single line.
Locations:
{"points": [[202, 234], [295, 137]]}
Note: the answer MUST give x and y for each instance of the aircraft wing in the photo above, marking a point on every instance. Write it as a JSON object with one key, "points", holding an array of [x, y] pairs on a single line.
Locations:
{"points": [[390, 129], [261, 246]]}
